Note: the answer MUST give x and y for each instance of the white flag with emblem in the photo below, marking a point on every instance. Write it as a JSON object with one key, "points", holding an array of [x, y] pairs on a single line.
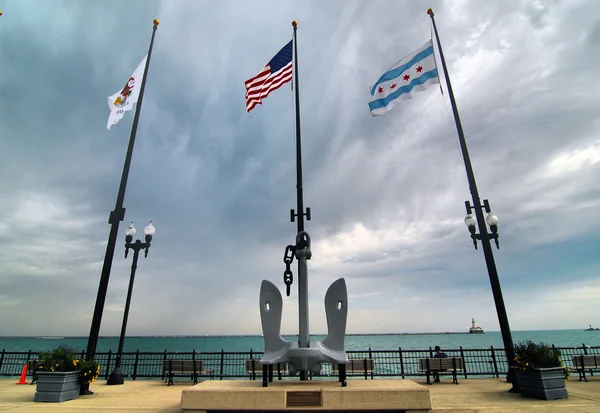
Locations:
{"points": [[125, 99]]}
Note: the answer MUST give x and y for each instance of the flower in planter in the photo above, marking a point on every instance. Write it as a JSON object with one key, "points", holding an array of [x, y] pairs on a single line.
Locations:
{"points": [[530, 355], [64, 359]]}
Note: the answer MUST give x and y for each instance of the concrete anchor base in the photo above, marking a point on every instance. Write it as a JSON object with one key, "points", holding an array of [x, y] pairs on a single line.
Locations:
{"points": [[312, 395]]}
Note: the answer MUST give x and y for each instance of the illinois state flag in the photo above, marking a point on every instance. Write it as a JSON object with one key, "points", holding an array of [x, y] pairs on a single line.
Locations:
{"points": [[125, 99], [414, 72]]}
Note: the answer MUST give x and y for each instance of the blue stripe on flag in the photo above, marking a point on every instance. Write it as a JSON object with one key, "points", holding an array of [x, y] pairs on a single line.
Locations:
{"points": [[383, 102], [393, 74]]}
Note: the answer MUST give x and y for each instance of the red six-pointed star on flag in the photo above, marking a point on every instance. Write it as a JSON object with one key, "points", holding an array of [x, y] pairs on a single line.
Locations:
{"points": [[419, 69], [406, 77], [393, 86], [380, 90]]}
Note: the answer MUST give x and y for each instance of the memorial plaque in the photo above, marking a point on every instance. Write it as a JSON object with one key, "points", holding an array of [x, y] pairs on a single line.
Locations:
{"points": [[304, 399]]}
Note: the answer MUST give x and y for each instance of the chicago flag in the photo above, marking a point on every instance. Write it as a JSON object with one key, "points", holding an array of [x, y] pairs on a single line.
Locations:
{"points": [[414, 72]]}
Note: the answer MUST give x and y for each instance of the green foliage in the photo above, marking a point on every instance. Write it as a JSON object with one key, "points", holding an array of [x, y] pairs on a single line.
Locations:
{"points": [[88, 371], [530, 355], [59, 359], [64, 359]]}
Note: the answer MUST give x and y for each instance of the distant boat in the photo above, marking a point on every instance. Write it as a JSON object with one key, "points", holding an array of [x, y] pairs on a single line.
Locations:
{"points": [[475, 329], [592, 329]]}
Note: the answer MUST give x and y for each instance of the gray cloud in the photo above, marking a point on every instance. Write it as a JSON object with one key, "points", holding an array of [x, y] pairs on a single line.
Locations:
{"points": [[387, 194]]}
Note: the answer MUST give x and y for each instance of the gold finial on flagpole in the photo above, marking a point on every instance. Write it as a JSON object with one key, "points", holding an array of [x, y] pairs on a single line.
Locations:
{"points": [[294, 23], [429, 11], [0, 12], [156, 22]]}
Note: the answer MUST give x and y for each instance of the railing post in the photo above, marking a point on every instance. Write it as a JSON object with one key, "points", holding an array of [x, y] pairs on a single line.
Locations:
{"points": [[135, 365], [2, 359], [28, 355], [494, 361], [223, 361], [106, 374], [584, 348], [370, 358], [162, 375], [194, 365], [464, 362], [401, 362]]}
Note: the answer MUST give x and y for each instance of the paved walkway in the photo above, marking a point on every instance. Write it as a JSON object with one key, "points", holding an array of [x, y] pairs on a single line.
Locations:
{"points": [[470, 396]]}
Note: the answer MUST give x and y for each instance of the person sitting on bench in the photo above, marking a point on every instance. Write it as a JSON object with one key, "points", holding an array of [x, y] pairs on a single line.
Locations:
{"points": [[438, 354]]}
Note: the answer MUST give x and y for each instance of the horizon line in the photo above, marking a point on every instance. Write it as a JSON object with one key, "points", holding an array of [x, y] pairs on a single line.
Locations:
{"points": [[260, 335]]}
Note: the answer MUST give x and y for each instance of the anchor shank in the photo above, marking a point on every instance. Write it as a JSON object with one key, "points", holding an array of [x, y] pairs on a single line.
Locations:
{"points": [[303, 336]]}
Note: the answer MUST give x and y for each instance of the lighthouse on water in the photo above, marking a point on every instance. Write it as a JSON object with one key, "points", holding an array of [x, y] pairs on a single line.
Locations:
{"points": [[475, 329]]}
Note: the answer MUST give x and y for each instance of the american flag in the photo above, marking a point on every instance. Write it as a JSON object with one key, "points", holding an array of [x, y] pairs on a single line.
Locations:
{"points": [[277, 72]]}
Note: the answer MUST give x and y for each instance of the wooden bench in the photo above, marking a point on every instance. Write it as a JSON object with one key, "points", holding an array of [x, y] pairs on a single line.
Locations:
{"points": [[192, 368], [357, 367], [590, 362], [441, 364], [254, 368]]}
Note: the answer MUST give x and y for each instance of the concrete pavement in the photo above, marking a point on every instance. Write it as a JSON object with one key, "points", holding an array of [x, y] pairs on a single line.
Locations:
{"points": [[154, 396]]}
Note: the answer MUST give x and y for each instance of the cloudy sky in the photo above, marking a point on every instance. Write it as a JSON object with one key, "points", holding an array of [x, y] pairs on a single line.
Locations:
{"points": [[387, 193]]}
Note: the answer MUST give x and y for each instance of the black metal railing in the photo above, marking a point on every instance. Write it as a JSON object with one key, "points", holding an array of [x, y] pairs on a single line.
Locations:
{"points": [[484, 362]]}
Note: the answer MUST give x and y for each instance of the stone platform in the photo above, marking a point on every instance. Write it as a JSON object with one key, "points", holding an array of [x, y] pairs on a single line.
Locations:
{"points": [[311, 395]]}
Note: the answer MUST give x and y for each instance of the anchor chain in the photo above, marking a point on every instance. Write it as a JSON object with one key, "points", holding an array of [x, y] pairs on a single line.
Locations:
{"points": [[288, 258]]}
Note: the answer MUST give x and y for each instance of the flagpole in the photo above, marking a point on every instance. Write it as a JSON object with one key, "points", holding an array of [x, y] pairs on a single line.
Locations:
{"points": [[117, 215], [485, 239], [303, 333], [299, 196]]}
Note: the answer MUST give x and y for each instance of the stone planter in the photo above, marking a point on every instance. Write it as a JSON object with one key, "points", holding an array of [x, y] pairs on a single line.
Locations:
{"points": [[54, 386], [543, 383]]}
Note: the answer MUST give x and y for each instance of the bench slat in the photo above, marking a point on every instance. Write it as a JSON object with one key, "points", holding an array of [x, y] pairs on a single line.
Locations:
{"points": [[183, 366], [356, 366], [441, 363], [258, 368], [589, 361]]}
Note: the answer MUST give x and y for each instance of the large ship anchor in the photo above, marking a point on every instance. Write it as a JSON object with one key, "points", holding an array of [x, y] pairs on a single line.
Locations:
{"points": [[305, 355]]}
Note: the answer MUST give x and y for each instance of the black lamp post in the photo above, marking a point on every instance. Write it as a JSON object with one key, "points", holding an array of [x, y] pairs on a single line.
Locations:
{"points": [[116, 377]]}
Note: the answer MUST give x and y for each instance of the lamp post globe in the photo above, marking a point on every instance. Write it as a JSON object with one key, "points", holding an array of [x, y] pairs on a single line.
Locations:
{"points": [[470, 221], [491, 219], [149, 231]]}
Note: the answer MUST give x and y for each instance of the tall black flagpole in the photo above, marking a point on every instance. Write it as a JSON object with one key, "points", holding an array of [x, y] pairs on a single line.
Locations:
{"points": [[117, 215], [303, 333], [300, 200], [485, 240]]}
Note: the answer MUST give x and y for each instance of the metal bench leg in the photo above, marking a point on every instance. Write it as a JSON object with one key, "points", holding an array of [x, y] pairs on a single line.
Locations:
{"points": [[270, 373], [428, 373], [265, 376], [342, 375]]}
